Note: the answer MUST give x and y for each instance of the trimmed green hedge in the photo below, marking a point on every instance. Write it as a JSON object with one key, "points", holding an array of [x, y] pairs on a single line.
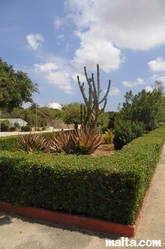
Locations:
{"points": [[110, 188], [9, 143]]}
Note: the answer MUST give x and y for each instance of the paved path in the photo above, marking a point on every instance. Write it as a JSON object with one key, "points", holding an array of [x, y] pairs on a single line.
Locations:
{"points": [[24, 233], [14, 133]]}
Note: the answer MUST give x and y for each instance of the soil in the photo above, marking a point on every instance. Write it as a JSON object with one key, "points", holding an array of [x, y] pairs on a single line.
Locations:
{"points": [[104, 150]]}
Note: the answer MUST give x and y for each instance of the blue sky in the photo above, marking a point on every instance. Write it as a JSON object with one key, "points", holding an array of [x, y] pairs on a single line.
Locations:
{"points": [[52, 41]]}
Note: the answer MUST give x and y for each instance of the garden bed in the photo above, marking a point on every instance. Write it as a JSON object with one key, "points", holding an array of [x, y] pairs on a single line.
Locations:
{"points": [[107, 188]]}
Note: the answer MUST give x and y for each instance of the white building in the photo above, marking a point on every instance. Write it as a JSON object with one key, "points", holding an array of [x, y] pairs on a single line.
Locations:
{"points": [[12, 121], [52, 104]]}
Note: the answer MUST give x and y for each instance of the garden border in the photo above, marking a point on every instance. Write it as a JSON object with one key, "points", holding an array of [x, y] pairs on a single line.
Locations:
{"points": [[81, 222]]}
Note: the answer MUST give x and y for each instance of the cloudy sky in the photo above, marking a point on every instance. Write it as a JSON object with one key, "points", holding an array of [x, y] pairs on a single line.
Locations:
{"points": [[52, 40]]}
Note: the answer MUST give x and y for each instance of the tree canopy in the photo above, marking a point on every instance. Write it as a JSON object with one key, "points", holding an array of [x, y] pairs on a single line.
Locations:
{"points": [[16, 88], [71, 114], [145, 107]]}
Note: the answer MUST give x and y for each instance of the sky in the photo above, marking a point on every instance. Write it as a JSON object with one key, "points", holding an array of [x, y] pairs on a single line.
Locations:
{"points": [[52, 41]]}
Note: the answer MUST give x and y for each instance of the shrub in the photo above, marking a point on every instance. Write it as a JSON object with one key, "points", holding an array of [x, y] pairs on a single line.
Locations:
{"points": [[125, 132], [13, 128], [108, 137], [26, 128], [5, 125], [62, 142], [75, 142], [110, 188], [16, 124], [103, 128], [86, 142], [9, 143], [31, 143]]}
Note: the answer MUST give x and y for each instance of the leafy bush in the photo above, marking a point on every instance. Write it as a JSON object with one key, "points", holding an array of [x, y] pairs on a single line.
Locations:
{"points": [[13, 128], [4, 125], [26, 128], [103, 128], [110, 188], [125, 132], [16, 124], [9, 143], [108, 136]]}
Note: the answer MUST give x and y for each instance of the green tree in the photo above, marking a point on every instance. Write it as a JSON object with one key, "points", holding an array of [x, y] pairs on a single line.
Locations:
{"points": [[71, 114], [112, 116], [16, 88], [145, 107]]}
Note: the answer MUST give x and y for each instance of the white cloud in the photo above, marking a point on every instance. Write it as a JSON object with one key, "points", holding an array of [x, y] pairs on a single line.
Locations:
{"points": [[157, 65], [149, 88], [139, 81], [59, 22], [127, 24], [34, 40], [155, 77], [56, 72], [115, 91], [45, 68], [94, 50], [150, 80], [81, 77], [61, 37]]}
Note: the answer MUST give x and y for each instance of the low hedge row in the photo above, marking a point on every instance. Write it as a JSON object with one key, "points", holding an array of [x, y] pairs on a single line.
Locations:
{"points": [[110, 188], [9, 143]]}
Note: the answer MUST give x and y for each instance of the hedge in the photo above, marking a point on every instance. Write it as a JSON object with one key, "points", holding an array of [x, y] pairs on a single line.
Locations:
{"points": [[110, 188], [9, 143]]}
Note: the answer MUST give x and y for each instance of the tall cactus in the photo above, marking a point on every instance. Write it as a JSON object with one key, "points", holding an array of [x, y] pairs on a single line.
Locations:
{"points": [[92, 109]]}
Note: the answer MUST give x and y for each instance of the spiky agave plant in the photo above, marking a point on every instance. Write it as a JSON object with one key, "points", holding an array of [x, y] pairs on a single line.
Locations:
{"points": [[86, 142], [61, 143], [32, 143]]}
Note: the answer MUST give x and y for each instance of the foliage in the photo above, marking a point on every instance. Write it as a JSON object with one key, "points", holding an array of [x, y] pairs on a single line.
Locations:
{"points": [[26, 128], [75, 142], [4, 125], [103, 120], [13, 128], [144, 107], [35, 116], [162, 111], [86, 142], [92, 110], [111, 120], [16, 125], [62, 142], [125, 132], [71, 114], [9, 143], [15, 87], [110, 188], [108, 136], [31, 143]]}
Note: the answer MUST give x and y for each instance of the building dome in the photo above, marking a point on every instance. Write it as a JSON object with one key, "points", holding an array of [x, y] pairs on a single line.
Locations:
{"points": [[52, 104]]}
